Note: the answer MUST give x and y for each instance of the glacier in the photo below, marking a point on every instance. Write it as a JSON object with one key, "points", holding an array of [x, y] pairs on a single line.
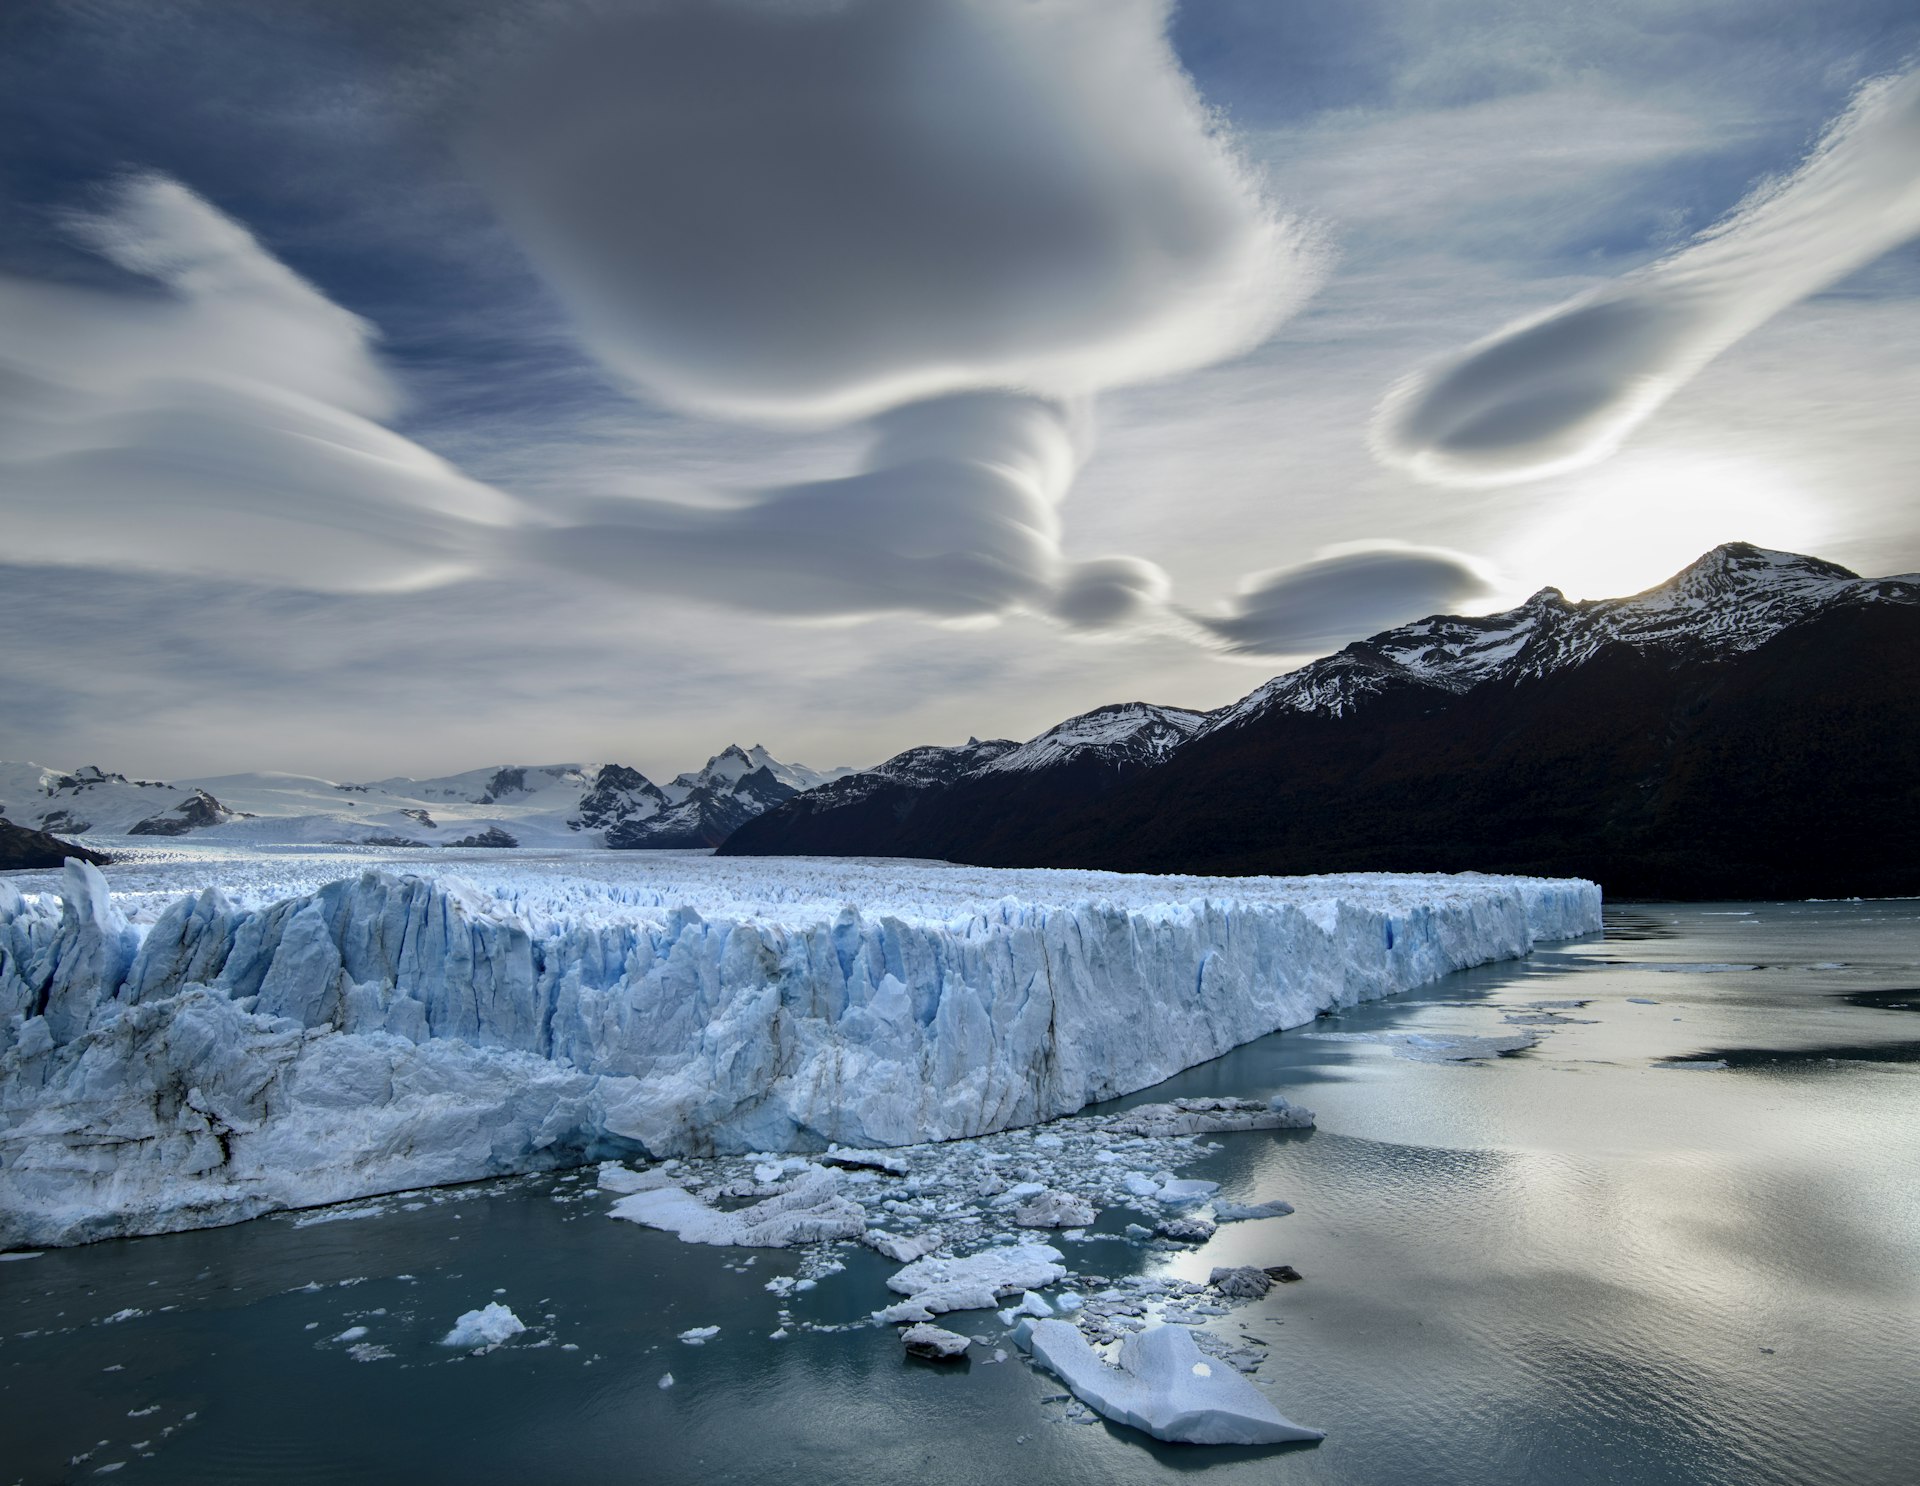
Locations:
{"points": [[210, 1038]]}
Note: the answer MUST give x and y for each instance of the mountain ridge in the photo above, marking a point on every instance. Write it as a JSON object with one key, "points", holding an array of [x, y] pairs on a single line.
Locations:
{"points": [[1425, 747], [502, 805]]}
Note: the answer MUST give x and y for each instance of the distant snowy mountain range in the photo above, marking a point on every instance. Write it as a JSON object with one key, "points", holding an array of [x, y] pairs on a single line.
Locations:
{"points": [[512, 805], [1750, 727]]}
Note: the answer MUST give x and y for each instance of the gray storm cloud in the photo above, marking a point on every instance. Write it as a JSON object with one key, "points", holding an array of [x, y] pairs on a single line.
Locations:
{"points": [[1345, 595], [1563, 389], [225, 425]]}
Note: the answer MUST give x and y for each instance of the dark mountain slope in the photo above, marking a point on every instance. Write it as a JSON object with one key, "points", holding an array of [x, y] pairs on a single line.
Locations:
{"points": [[1751, 728], [1792, 770], [21, 848]]}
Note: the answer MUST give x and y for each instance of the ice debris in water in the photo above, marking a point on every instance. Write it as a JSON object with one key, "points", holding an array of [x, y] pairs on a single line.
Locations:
{"points": [[810, 1211], [1165, 1386], [487, 1327], [1050, 1209], [699, 1336], [934, 1285], [935, 1343], [530, 1015]]}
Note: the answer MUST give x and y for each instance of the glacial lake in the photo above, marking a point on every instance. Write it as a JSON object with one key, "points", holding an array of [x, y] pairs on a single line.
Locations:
{"points": [[1600, 1260]]}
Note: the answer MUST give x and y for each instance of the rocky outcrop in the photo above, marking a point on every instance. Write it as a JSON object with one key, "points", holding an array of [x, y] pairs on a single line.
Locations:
{"points": [[197, 811], [25, 850]]}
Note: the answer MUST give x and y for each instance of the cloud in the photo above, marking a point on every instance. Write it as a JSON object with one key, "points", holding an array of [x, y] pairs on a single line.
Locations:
{"points": [[1345, 594], [954, 517], [1563, 389], [957, 218], [814, 212], [223, 424]]}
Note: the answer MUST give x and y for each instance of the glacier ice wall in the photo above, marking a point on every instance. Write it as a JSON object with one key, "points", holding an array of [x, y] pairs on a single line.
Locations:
{"points": [[394, 1029]]}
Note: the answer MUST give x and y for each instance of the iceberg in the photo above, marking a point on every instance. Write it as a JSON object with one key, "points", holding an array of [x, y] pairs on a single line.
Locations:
{"points": [[1165, 1386], [487, 1327], [231, 1035]]}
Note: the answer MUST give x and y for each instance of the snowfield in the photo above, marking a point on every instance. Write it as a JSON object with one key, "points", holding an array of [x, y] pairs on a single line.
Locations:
{"points": [[222, 1034]]}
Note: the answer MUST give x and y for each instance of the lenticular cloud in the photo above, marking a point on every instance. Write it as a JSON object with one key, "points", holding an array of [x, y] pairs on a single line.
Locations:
{"points": [[227, 425], [957, 218], [816, 212], [1563, 389], [1343, 595]]}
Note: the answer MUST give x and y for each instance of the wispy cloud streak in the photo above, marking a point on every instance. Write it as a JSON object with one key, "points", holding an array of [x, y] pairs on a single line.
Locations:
{"points": [[1563, 389]]}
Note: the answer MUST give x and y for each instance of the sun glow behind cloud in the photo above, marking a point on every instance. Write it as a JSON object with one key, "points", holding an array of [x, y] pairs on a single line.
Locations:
{"points": [[1647, 515]]}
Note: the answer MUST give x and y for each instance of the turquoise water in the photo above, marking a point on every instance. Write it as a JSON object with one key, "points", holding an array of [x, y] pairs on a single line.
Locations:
{"points": [[1572, 1264]]}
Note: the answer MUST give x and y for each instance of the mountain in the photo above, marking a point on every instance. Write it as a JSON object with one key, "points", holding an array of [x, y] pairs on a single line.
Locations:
{"points": [[980, 792], [1750, 728], [703, 808], [550, 805]]}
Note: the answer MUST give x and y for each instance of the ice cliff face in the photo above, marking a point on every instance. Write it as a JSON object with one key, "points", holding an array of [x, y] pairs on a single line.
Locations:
{"points": [[390, 1030]]}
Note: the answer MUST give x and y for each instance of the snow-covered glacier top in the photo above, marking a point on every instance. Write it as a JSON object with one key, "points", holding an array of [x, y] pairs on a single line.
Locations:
{"points": [[196, 1038]]}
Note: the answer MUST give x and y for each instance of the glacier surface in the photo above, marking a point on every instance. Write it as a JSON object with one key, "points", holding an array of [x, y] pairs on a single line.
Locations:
{"points": [[219, 1037]]}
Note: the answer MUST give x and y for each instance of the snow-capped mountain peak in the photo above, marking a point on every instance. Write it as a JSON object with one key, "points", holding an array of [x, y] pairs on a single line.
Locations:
{"points": [[1731, 600], [1119, 734], [500, 805]]}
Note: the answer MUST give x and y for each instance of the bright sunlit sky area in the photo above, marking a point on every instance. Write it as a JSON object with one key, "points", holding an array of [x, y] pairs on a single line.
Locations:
{"points": [[410, 386]]}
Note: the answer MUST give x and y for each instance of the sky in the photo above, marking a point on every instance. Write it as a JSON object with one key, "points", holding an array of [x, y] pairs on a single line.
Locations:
{"points": [[406, 386]]}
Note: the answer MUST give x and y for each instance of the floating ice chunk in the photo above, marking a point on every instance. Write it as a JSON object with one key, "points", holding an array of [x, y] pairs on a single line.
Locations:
{"points": [[935, 1343], [1165, 1387], [616, 1178], [855, 1160], [1242, 1212], [810, 1211], [1185, 1189], [901, 1248], [1031, 1304], [1052, 1209], [487, 1327], [698, 1336], [352, 1334], [666, 1380], [935, 1285]]}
